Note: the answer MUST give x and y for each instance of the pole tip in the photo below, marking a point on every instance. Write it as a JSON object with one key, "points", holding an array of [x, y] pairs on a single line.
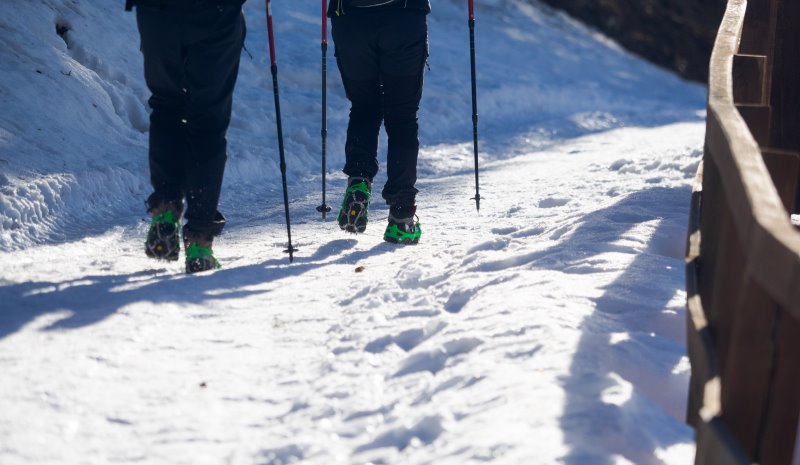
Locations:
{"points": [[477, 200], [291, 250]]}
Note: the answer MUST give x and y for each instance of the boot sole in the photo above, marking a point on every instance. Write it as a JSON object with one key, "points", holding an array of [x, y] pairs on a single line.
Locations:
{"points": [[352, 225], [200, 265], [155, 252], [163, 243], [401, 241]]}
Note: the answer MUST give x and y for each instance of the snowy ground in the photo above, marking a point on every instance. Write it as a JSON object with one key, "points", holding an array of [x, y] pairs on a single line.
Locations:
{"points": [[547, 329]]}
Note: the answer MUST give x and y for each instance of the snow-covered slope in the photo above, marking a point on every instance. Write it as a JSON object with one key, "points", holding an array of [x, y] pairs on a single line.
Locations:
{"points": [[73, 127], [546, 329]]}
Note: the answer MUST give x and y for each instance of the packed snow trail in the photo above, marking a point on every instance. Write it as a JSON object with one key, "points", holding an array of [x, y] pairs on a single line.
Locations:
{"points": [[547, 329]]}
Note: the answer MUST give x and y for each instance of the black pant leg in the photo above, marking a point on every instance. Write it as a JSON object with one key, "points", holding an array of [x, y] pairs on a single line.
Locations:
{"points": [[404, 51], [163, 71], [357, 59], [215, 38]]}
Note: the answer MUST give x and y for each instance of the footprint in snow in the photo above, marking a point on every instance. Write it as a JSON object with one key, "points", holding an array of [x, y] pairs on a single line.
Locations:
{"points": [[494, 244], [505, 231], [425, 431], [451, 384], [458, 300], [529, 232], [552, 202], [434, 361], [417, 313], [408, 339], [417, 278], [287, 454]]}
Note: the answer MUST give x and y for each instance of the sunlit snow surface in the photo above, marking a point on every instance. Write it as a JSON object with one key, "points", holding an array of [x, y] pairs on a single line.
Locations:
{"points": [[546, 329]]}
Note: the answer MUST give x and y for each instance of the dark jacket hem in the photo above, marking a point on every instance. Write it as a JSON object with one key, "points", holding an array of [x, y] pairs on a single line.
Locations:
{"points": [[341, 7]]}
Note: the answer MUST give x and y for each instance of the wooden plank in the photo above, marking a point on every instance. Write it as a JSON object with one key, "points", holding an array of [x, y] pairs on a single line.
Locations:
{"points": [[796, 460], [758, 119], [722, 142], [709, 229], [698, 364], [780, 431], [794, 293], [784, 167], [746, 373], [727, 277], [796, 209], [757, 31], [749, 79], [693, 235], [785, 92], [770, 262], [700, 348], [698, 338]]}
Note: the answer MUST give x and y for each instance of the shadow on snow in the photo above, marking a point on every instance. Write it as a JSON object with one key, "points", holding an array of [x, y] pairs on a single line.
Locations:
{"points": [[628, 338], [91, 299], [621, 383]]}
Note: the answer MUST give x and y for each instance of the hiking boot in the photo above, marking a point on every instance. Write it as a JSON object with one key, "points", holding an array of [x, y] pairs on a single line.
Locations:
{"points": [[200, 257], [403, 227], [355, 205], [163, 237]]}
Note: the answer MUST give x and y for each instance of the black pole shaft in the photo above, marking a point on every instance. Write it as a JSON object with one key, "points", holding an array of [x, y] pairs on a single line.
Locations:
{"points": [[474, 110], [291, 249], [324, 208]]}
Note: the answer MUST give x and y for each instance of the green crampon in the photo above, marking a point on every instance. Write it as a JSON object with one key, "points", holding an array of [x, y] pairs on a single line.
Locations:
{"points": [[163, 237], [397, 235], [354, 212], [200, 258]]}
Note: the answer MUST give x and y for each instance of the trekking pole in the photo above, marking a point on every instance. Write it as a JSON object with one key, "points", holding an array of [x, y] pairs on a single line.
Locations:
{"points": [[274, 68], [477, 197], [324, 208]]}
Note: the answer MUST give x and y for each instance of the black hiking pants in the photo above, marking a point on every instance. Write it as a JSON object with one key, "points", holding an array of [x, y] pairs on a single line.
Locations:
{"points": [[191, 54], [381, 57]]}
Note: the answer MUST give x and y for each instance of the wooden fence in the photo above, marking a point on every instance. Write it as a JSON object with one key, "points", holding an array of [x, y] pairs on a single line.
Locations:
{"points": [[743, 254]]}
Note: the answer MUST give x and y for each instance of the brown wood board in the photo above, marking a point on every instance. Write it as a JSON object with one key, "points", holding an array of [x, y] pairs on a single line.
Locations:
{"points": [[749, 79]]}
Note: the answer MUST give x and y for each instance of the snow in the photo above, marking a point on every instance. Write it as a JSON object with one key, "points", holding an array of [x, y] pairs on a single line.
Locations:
{"points": [[547, 329], [796, 460]]}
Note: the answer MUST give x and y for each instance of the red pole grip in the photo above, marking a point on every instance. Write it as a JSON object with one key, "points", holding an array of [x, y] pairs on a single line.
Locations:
{"points": [[272, 57], [471, 10], [324, 21]]}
